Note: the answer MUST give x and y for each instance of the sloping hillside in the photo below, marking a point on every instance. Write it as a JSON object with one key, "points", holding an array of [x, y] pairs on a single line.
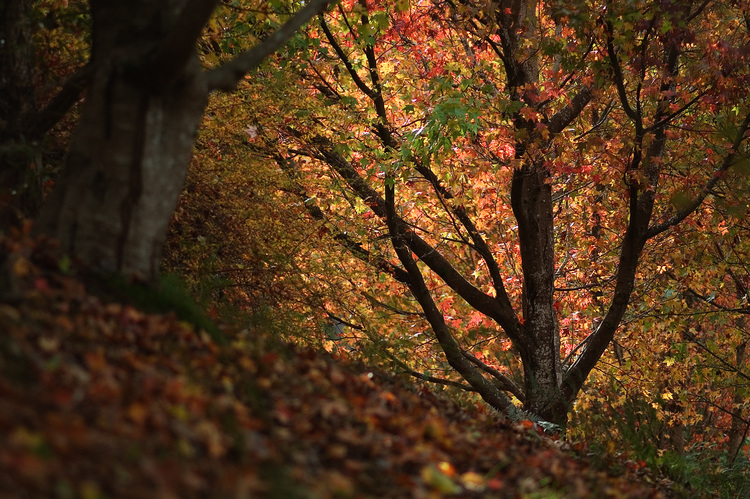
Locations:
{"points": [[101, 400]]}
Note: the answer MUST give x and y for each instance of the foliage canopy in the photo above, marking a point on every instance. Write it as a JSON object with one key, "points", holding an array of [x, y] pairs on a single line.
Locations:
{"points": [[526, 169]]}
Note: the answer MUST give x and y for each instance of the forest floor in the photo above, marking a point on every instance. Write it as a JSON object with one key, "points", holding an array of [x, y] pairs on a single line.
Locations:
{"points": [[99, 399]]}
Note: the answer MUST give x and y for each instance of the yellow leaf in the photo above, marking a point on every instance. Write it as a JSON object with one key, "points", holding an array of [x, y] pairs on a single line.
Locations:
{"points": [[435, 479], [472, 481], [446, 468]]}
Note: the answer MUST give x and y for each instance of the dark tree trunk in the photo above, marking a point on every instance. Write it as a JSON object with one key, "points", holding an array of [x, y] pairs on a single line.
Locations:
{"points": [[128, 157], [738, 430], [16, 64], [531, 199], [19, 179], [129, 154]]}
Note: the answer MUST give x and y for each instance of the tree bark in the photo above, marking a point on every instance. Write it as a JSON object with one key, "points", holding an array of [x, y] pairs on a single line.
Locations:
{"points": [[738, 429], [20, 194], [129, 154], [128, 157], [531, 200]]}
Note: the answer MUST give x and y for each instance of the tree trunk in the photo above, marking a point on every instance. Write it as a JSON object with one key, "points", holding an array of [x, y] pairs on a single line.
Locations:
{"points": [[16, 64], [20, 192], [531, 200], [738, 430], [129, 154]]}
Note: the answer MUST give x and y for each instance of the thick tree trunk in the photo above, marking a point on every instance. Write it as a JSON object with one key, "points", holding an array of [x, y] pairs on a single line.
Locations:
{"points": [[125, 170], [128, 157]]}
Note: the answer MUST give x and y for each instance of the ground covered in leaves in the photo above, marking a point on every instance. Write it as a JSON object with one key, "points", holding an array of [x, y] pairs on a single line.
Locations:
{"points": [[99, 399]]}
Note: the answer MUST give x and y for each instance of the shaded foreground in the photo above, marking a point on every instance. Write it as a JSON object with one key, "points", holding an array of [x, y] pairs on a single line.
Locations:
{"points": [[98, 399]]}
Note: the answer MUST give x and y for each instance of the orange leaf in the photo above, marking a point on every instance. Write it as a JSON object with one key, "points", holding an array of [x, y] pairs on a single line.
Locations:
{"points": [[137, 412]]}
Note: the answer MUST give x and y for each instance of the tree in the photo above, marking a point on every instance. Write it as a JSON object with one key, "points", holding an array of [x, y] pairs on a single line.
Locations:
{"points": [[243, 242], [146, 91], [16, 79], [678, 379], [520, 159], [37, 54]]}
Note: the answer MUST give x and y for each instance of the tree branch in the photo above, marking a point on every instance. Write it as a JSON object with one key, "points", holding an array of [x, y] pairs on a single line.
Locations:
{"points": [[510, 323], [424, 377], [619, 81], [227, 76], [179, 46], [480, 245], [488, 391], [395, 310], [342, 238], [483, 302], [664, 121], [41, 122], [378, 100], [503, 381], [343, 57], [727, 365], [433, 379], [383, 131], [566, 115], [707, 188]]}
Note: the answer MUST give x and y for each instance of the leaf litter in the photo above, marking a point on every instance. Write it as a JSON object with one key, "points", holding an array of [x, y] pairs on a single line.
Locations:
{"points": [[101, 400]]}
